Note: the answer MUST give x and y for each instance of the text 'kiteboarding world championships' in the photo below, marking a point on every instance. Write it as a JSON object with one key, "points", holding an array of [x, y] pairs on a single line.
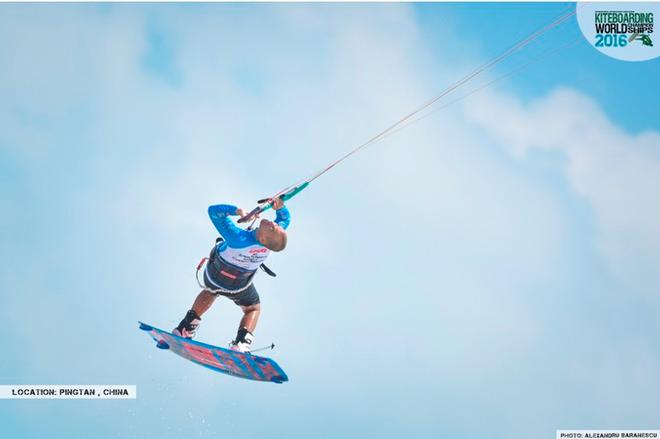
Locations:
{"points": [[600, 434], [68, 391]]}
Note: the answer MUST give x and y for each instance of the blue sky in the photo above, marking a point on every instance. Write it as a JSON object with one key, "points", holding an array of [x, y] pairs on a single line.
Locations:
{"points": [[490, 271]]}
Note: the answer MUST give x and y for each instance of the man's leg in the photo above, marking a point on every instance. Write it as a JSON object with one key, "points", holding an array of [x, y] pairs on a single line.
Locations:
{"points": [[203, 302], [188, 326], [249, 303], [244, 336], [250, 316]]}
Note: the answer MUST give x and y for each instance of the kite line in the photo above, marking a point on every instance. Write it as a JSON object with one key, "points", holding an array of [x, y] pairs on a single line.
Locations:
{"points": [[291, 191]]}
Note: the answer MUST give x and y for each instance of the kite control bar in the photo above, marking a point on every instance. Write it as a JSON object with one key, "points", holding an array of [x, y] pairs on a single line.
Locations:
{"points": [[266, 203]]}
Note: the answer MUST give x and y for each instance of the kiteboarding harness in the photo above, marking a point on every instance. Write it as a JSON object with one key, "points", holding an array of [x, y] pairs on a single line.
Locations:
{"points": [[237, 255]]}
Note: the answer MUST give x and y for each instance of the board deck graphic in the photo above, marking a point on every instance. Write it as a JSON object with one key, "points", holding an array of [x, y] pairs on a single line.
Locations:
{"points": [[248, 366]]}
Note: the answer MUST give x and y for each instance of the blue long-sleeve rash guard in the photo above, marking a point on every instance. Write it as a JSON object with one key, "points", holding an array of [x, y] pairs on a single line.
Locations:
{"points": [[241, 247]]}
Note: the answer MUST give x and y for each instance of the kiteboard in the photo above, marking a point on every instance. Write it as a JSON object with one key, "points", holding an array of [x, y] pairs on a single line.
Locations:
{"points": [[242, 365]]}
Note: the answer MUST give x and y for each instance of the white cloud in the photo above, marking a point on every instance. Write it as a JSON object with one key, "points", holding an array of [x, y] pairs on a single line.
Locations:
{"points": [[615, 172]]}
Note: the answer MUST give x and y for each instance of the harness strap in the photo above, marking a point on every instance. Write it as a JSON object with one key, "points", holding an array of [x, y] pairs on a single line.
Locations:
{"points": [[268, 271], [218, 290]]}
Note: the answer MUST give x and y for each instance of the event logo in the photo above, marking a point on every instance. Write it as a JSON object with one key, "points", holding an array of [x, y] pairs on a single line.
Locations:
{"points": [[621, 30], [618, 28]]}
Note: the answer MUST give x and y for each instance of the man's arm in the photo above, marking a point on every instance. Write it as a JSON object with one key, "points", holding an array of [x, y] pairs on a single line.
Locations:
{"points": [[219, 215], [283, 217]]}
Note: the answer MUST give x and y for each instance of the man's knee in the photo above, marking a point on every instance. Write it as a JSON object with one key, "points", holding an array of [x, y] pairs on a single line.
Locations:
{"points": [[251, 308]]}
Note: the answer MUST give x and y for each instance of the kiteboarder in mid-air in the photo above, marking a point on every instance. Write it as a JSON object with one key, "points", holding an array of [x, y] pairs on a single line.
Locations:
{"points": [[232, 264], [239, 253]]}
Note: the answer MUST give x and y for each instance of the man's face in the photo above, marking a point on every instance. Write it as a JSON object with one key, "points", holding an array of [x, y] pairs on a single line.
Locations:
{"points": [[271, 235], [270, 228]]}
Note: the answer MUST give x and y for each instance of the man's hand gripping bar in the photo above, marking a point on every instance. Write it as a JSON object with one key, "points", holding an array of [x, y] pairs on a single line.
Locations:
{"points": [[266, 203]]}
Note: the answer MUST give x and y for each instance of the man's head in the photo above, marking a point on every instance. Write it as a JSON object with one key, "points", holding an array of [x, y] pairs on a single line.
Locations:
{"points": [[271, 235]]}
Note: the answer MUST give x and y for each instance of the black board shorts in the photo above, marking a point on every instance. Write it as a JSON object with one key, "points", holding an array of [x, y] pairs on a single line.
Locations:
{"points": [[247, 297]]}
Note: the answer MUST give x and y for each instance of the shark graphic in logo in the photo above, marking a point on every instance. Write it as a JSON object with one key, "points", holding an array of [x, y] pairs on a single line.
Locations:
{"points": [[645, 39]]}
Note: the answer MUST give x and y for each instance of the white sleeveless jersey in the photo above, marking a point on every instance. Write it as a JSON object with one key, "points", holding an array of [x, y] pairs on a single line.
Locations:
{"points": [[248, 258]]}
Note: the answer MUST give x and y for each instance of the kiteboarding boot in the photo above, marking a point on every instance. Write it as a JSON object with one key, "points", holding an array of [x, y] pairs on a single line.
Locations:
{"points": [[243, 341], [188, 325]]}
